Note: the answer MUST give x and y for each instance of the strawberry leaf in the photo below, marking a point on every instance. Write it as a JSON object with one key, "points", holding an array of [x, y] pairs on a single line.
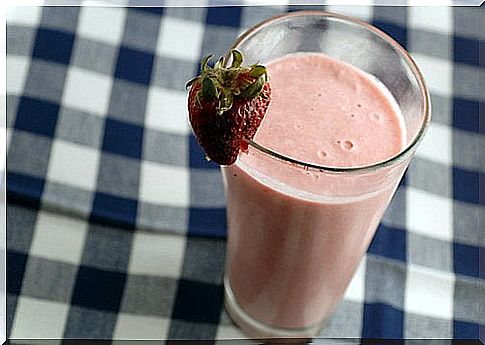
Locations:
{"points": [[224, 84], [255, 88], [208, 88], [237, 58], [257, 71]]}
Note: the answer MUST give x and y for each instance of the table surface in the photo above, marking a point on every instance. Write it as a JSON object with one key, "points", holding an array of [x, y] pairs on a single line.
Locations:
{"points": [[116, 223]]}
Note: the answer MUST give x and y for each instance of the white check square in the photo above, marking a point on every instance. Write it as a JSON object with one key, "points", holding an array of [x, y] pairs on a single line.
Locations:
{"points": [[164, 184], [429, 292], [105, 24], [432, 18], [8, 136], [4, 138], [17, 68], [362, 11], [272, 3], [437, 72], [228, 332], [180, 38], [87, 91], [24, 15], [58, 238], [157, 255], [176, 3], [356, 289], [429, 214], [35, 318], [130, 326], [73, 164], [167, 110], [437, 144]]}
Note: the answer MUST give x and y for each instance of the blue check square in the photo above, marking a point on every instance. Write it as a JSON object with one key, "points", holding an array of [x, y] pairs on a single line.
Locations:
{"points": [[134, 65], [466, 185], [466, 259], [114, 210], [53, 45], [207, 222], [378, 314], [226, 16], [466, 114], [465, 330], [36, 116], [389, 242], [123, 138], [15, 273], [25, 189], [153, 10], [98, 289], [198, 302], [466, 50]]}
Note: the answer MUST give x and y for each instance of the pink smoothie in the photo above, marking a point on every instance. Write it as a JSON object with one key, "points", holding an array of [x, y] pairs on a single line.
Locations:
{"points": [[297, 235]]}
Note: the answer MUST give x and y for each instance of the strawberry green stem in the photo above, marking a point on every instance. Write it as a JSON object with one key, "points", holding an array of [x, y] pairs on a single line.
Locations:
{"points": [[225, 84]]}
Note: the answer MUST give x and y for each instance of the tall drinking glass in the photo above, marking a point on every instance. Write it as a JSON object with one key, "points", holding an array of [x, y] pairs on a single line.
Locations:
{"points": [[297, 231]]}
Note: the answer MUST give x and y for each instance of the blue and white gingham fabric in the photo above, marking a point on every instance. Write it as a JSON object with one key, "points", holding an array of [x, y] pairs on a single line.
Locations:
{"points": [[116, 222]]}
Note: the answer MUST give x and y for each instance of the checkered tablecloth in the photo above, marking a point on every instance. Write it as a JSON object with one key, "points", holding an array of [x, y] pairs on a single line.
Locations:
{"points": [[116, 222]]}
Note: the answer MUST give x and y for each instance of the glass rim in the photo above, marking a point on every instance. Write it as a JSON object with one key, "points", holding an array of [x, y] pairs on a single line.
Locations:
{"points": [[393, 160]]}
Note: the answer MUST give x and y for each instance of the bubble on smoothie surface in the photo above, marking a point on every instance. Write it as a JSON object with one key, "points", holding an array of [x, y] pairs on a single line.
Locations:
{"points": [[348, 145], [322, 154], [375, 117], [298, 125]]}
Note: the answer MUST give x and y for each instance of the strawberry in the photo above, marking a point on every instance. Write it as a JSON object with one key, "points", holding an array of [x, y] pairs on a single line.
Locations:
{"points": [[226, 106]]}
